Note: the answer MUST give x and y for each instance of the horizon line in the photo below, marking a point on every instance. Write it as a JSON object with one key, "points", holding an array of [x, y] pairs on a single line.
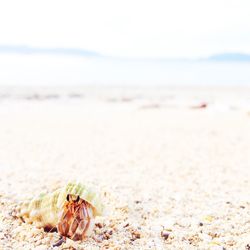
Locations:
{"points": [[67, 51]]}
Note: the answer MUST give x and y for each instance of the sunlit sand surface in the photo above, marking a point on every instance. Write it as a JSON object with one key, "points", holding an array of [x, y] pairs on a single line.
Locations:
{"points": [[171, 176]]}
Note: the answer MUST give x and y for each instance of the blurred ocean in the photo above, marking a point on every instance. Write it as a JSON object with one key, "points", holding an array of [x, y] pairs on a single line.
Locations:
{"points": [[67, 70]]}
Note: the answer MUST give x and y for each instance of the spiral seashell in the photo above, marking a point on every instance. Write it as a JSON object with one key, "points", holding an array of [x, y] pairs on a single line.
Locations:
{"points": [[70, 209]]}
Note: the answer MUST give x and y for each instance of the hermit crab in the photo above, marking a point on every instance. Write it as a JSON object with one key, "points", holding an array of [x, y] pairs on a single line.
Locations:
{"points": [[71, 210]]}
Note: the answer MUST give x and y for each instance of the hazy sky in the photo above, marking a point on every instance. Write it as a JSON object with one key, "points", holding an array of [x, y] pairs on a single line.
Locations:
{"points": [[131, 28]]}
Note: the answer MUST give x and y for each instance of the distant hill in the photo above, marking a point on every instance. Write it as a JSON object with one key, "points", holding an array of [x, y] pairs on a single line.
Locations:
{"points": [[230, 57], [54, 51], [8, 49]]}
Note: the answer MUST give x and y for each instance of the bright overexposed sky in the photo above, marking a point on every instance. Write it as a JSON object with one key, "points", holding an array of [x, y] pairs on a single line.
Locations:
{"points": [[131, 28]]}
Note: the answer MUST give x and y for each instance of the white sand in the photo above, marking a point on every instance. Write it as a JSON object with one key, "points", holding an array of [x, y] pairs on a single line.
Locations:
{"points": [[164, 169]]}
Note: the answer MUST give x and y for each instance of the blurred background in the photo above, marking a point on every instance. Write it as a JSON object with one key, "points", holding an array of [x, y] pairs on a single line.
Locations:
{"points": [[125, 43]]}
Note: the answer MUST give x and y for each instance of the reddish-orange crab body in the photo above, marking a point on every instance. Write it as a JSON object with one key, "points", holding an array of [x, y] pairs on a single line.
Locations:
{"points": [[76, 219]]}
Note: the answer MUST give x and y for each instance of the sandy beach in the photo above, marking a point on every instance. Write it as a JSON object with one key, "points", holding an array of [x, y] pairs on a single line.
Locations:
{"points": [[171, 175]]}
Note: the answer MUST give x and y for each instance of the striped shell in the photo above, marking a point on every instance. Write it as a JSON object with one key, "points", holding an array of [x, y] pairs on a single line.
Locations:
{"points": [[45, 210]]}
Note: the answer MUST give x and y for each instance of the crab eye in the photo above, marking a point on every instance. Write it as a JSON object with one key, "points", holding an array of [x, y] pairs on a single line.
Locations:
{"points": [[78, 198], [67, 197]]}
